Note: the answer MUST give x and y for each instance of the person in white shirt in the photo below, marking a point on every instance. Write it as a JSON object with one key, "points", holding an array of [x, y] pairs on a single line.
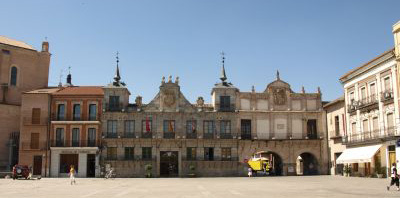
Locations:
{"points": [[394, 177]]}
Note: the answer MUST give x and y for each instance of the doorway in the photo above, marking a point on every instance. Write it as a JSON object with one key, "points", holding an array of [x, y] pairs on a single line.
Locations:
{"points": [[91, 165], [169, 164], [37, 165]]}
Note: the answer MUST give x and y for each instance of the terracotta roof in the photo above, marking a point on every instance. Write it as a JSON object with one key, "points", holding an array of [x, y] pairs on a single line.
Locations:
{"points": [[81, 90], [15, 43], [343, 78]]}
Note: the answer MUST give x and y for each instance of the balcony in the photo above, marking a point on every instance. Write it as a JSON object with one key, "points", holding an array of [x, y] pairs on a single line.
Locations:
{"points": [[387, 96], [73, 143], [169, 135], [191, 135], [368, 103], [227, 108], [129, 135], [147, 135], [208, 135], [225, 135], [89, 118], [245, 136], [114, 107], [351, 108], [389, 133], [111, 135]]}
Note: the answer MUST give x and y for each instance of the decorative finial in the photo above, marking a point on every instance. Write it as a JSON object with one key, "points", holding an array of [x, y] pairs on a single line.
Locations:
{"points": [[117, 77], [223, 75], [69, 70], [253, 89], [169, 78], [303, 90], [177, 80], [277, 75], [163, 80], [319, 90]]}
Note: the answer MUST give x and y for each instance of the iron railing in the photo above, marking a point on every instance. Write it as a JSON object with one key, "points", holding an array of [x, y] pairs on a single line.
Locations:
{"points": [[73, 143], [389, 132]]}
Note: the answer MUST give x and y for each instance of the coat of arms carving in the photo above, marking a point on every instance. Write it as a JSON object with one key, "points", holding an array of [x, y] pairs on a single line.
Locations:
{"points": [[279, 96], [168, 99]]}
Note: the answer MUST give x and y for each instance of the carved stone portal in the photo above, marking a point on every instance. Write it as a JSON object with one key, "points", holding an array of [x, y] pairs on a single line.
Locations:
{"points": [[279, 96]]}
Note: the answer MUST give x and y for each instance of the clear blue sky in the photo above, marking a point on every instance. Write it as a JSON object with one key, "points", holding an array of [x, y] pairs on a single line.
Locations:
{"points": [[312, 43]]}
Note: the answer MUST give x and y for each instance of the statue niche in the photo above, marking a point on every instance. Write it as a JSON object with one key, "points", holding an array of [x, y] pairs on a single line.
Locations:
{"points": [[279, 96]]}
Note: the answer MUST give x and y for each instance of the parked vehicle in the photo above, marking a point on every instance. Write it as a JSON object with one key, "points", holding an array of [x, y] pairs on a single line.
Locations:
{"points": [[21, 171], [260, 162]]}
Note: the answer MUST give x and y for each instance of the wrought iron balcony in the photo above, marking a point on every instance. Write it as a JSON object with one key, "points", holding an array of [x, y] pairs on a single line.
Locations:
{"points": [[245, 136], [208, 135], [129, 135], [73, 143], [227, 108], [370, 136], [191, 135], [368, 102], [147, 135], [111, 135], [225, 135], [169, 135], [387, 95]]}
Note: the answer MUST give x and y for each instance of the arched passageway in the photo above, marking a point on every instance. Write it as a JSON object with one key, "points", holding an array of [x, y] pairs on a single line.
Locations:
{"points": [[306, 164], [276, 164]]}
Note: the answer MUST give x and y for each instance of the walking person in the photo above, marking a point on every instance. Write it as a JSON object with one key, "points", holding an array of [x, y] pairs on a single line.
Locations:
{"points": [[72, 174], [250, 172], [394, 177]]}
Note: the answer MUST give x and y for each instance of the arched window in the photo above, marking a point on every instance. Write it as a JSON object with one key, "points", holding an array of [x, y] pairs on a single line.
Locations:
{"points": [[13, 79]]}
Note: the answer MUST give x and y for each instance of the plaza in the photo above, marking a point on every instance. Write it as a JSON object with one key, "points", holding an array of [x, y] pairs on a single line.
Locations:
{"points": [[299, 186]]}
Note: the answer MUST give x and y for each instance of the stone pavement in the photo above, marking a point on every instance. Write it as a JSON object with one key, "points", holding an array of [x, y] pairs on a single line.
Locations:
{"points": [[305, 186]]}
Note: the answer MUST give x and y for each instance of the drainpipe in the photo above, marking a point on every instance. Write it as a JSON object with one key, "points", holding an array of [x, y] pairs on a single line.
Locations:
{"points": [[48, 136]]}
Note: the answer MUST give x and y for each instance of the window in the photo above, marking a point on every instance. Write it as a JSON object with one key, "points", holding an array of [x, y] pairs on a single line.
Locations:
{"points": [[77, 112], [169, 126], [36, 116], [363, 93], [129, 128], [75, 137], [353, 128], [13, 79], [91, 137], [92, 112], [111, 128], [225, 126], [112, 153], [191, 153], [209, 154], [226, 154], [60, 137], [386, 83], [129, 153], [209, 126], [372, 89], [146, 125], [337, 129], [225, 103], [61, 112], [245, 129], [365, 126], [114, 103], [146, 153], [312, 129], [34, 140], [191, 126]]}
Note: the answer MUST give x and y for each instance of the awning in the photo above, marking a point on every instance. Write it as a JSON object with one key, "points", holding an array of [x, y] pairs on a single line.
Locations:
{"points": [[358, 155]]}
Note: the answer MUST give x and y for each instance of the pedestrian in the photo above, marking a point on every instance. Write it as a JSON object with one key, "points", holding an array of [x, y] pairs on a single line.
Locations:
{"points": [[394, 177], [72, 174], [250, 172]]}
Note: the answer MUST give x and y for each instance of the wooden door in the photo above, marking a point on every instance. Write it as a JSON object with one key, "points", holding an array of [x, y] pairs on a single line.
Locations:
{"points": [[37, 165]]}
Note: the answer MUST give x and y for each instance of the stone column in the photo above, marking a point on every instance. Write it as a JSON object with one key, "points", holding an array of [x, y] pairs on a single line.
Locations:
{"points": [[381, 115], [82, 165]]}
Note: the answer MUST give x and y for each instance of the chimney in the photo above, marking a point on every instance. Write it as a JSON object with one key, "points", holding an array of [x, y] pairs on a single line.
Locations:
{"points": [[45, 46]]}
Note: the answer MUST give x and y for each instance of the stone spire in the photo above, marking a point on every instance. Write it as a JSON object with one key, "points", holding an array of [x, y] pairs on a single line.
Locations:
{"points": [[223, 75]]}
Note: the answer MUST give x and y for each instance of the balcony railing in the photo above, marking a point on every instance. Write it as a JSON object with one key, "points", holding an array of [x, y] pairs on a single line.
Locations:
{"points": [[208, 135], [368, 101], [129, 135], [169, 135], [191, 135], [55, 117], [245, 136], [147, 135], [111, 135], [225, 135], [387, 95], [228, 108], [73, 143], [387, 133], [116, 107]]}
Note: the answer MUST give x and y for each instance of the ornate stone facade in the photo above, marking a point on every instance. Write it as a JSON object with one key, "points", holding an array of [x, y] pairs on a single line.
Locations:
{"points": [[176, 136]]}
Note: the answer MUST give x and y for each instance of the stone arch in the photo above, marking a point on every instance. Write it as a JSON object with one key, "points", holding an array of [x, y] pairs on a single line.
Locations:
{"points": [[276, 163], [307, 164]]}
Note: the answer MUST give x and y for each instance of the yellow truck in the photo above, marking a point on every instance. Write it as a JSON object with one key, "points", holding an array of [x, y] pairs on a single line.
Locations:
{"points": [[260, 161]]}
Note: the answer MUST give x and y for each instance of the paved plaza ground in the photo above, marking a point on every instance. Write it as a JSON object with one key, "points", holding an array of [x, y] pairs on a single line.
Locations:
{"points": [[311, 186]]}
